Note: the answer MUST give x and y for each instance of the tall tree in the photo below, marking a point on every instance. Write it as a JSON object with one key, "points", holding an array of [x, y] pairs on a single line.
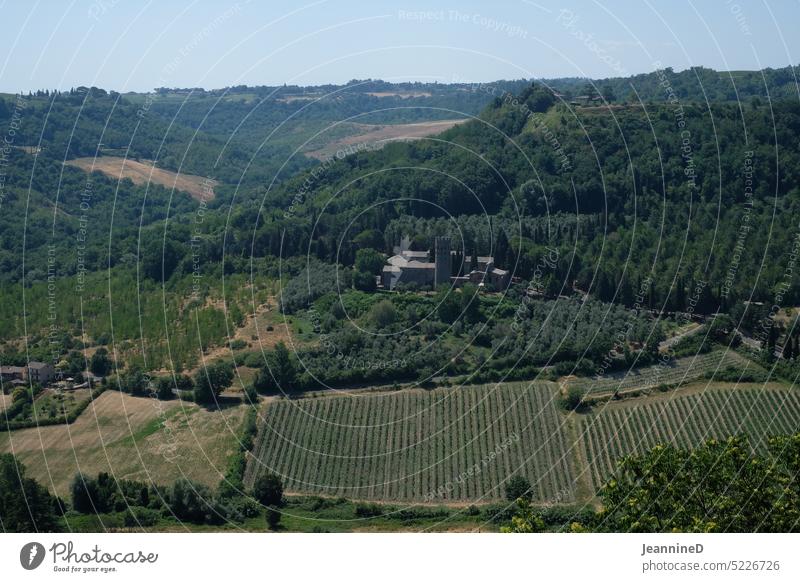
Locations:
{"points": [[25, 506], [211, 380]]}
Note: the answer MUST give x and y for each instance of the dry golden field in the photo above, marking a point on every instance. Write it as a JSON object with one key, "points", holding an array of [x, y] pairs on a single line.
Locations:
{"points": [[133, 438]]}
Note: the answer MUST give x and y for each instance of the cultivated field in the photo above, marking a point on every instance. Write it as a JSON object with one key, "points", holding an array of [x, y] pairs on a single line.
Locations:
{"points": [[445, 445], [135, 438], [378, 135], [144, 172], [685, 419], [677, 371], [418, 446]]}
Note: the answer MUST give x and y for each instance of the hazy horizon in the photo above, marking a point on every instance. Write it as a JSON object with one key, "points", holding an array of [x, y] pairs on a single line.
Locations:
{"points": [[137, 47]]}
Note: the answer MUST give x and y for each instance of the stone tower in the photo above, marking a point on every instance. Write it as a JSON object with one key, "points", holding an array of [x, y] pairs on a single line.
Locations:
{"points": [[441, 275]]}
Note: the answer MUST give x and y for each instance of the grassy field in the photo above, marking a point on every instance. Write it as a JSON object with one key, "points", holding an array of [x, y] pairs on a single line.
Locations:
{"points": [[133, 438], [445, 445], [316, 514], [685, 418], [673, 372]]}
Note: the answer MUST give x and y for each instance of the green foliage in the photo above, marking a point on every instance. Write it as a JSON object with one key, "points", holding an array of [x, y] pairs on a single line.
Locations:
{"points": [[573, 399], [369, 261], [273, 517], [211, 380], [84, 494], [448, 305], [309, 285], [383, 314], [100, 364], [135, 381], [106, 493], [164, 388], [527, 519], [160, 258], [280, 373], [268, 489], [192, 502], [232, 484], [668, 372], [720, 486], [364, 281], [25, 506], [612, 431], [23, 413], [369, 239], [518, 487]]}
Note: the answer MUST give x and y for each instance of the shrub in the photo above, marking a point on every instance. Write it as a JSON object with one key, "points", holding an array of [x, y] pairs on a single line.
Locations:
{"points": [[211, 380], [518, 487], [573, 400], [273, 517], [368, 510], [268, 489], [383, 314], [141, 517]]}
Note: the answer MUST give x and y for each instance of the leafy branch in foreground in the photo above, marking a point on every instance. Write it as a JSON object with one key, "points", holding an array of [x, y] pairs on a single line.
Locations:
{"points": [[720, 486]]}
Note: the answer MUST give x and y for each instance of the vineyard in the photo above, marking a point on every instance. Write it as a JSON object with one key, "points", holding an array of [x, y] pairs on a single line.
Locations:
{"points": [[674, 372], [460, 445], [446, 445], [619, 429]]}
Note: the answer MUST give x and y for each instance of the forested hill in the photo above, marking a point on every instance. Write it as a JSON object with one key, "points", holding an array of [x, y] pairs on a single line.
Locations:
{"points": [[93, 122], [663, 190], [294, 114], [676, 193], [693, 84]]}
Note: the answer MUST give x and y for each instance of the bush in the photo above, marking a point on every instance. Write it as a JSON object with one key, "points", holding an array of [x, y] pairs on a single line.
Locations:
{"points": [[573, 399], [268, 489], [518, 487], [84, 494], [383, 314], [238, 344], [253, 360], [211, 380], [190, 501], [368, 510], [164, 388], [141, 517], [233, 483], [273, 517]]}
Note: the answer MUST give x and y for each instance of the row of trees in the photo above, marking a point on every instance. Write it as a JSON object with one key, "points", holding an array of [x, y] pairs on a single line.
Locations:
{"points": [[26, 506], [204, 387]]}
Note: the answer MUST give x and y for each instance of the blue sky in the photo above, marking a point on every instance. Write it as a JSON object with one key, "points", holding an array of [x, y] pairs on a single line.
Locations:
{"points": [[129, 45]]}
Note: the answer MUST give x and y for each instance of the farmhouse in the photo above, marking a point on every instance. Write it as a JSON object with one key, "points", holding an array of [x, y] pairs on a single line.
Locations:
{"points": [[37, 372], [436, 268]]}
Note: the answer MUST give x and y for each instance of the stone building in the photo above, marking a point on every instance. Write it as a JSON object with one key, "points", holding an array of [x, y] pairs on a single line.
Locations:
{"points": [[419, 267]]}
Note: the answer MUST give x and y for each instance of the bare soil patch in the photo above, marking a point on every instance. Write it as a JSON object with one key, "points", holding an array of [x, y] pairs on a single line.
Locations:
{"points": [[403, 94], [378, 135], [198, 187]]}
